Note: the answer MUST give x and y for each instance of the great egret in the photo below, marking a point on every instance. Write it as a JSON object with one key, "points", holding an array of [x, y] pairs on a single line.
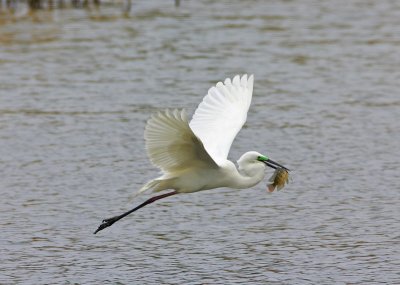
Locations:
{"points": [[193, 155]]}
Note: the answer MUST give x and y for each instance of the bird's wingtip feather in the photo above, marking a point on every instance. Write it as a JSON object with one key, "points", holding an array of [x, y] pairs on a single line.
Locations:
{"points": [[236, 80]]}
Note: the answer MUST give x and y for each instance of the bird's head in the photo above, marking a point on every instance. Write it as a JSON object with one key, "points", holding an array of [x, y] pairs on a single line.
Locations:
{"points": [[254, 159]]}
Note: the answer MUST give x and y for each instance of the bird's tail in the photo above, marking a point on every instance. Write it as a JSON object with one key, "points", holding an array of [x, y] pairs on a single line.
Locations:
{"points": [[149, 185]]}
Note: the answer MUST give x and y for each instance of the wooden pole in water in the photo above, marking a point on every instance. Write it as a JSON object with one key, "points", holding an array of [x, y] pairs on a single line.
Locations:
{"points": [[34, 4]]}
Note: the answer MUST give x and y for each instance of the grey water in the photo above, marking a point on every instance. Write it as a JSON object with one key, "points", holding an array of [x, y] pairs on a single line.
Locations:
{"points": [[76, 89]]}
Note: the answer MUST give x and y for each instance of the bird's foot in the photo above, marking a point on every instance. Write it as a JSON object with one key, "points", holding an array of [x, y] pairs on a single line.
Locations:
{"points": [[107, 223]]}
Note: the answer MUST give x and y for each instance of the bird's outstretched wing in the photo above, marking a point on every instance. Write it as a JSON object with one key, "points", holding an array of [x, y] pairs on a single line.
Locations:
{"points": [[221, 115], [171, 145]]}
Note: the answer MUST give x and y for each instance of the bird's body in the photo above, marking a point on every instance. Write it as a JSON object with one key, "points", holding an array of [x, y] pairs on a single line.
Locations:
{"points": [[193, 156], [195, 179]]}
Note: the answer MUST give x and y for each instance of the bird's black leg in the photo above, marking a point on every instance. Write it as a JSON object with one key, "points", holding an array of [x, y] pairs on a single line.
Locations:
{"points": [[108, 222]]}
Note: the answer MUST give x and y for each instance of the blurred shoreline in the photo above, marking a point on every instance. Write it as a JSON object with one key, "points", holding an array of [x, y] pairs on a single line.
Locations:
{"points": [[23, 7]]}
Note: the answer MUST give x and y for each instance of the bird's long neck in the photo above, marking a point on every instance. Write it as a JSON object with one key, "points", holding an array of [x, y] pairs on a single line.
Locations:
{"points": [[246, 179]]}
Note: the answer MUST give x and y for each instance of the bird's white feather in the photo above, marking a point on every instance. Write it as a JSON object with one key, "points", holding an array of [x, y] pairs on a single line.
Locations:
{"points": [[221, 115], [172, 146]]}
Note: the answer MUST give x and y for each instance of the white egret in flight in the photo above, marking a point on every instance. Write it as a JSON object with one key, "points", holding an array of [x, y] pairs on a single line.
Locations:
{"points": [[193, 155]]}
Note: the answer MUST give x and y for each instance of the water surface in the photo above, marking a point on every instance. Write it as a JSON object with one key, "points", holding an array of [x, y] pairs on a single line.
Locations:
{"points": [[77, 86]]}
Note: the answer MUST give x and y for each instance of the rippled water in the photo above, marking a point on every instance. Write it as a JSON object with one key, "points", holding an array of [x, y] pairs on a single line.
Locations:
{"points": [[77, 86]]}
